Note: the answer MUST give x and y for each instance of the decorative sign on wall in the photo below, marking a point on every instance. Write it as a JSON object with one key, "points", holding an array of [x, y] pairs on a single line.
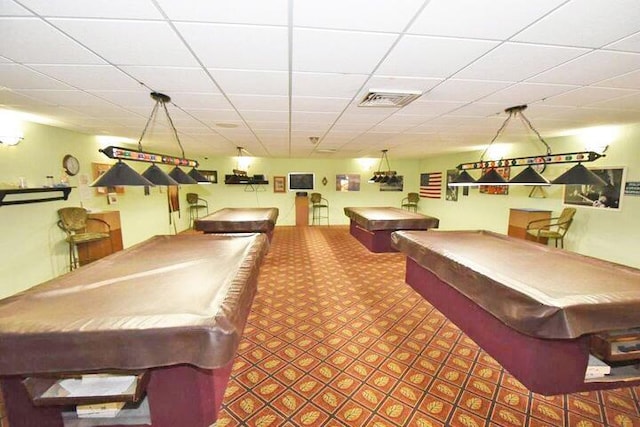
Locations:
{"points": [[632, 188]]}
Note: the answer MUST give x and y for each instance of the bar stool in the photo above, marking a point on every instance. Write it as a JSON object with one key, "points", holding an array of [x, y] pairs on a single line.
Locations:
{"points": [[73, 221], [318, 203], [195, 204]]}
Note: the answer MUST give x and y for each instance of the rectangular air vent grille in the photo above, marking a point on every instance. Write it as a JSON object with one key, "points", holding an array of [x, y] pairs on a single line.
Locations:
{"points": [[389, 98]]}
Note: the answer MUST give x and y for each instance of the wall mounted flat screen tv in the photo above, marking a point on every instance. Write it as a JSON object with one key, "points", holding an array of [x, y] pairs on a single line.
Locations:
{"points": [[301, 181]]}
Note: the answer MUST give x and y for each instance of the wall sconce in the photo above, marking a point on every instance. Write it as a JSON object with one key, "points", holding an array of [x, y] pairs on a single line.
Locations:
{"points": [[10, 139]]}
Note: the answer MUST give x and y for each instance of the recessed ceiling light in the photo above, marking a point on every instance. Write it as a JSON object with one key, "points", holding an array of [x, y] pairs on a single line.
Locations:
{"points": [[227, 125]]}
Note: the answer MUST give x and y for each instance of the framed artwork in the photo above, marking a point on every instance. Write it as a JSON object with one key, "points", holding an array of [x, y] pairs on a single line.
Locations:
{"points": [[112, 198], [212, 176], [452, 192], [98, 170], [608, 196], [348, 182], [279, 184], [497, 189]]}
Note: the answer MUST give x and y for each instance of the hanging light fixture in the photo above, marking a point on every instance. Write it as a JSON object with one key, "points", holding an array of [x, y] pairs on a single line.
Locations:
{"points": [[240, 176], [529, 176], [384, 177], [153, 175]]}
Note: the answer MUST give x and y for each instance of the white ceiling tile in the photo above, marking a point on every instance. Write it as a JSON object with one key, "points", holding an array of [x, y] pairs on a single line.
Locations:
{"points": [[139, 9], [628, 44], [400, 83], [586, 23], [591, 68], [313, 117], [399, 119], [315, 50], [173, 79], [365, 15], [14, 76], [431, 108], [625, 81], [64, 97], [629, 102], [260, 102], [21, 100], [60, 49], [317, 84], [525, 93], [129, 42], [463, 90], [237, 46], [132, 98], [89, 77], [515, 62], [11, 8], [420, 56], [265, 116], [495, 19], [272, 12], [218, 116], [199, 100], [586, 95], [243, 82], [308, 103], [269, 126]]}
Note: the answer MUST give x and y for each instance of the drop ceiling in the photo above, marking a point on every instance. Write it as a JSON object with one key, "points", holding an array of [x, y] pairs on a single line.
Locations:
{"points": [[269, 74]]}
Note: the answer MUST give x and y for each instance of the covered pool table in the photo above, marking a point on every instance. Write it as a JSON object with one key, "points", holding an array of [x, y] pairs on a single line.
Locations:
{"points": [[535, 309], [372, 226], [173, 307], [239, 220]]}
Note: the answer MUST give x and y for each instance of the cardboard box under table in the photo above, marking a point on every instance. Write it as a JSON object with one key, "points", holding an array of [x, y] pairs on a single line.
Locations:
{"points": [[170, 311], [372, 226], [239, 220], [533, 308]]}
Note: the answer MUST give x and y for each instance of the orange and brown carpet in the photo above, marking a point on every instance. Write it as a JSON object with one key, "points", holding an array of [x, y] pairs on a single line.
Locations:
{"points": [[336, 338]]}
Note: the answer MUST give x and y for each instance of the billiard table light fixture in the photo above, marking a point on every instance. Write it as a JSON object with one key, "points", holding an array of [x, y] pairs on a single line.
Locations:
{"points": [[123, 175], [384, 177], [531, 175]]}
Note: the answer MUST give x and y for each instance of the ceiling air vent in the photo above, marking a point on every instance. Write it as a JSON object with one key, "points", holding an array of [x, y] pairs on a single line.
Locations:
{"points": [[389, 98]]}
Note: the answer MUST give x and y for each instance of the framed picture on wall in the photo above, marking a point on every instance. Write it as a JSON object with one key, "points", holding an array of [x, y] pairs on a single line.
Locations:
{"points": [[607, 196], [212, 176], [497, 189], [348, 182], [279, 184]]}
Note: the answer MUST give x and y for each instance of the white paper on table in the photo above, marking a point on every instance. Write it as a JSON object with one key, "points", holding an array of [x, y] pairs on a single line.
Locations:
{"points": [[98, 385]]}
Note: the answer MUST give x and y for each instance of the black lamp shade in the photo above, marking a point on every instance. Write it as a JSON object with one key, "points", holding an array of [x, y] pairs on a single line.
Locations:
{"points": [[181, 177], [121, 174], [464, 179], [579, 175], [195, 174], [384, 179], [158, 176], [492, 177], [372, 179], [393, 179], [529, 176]]}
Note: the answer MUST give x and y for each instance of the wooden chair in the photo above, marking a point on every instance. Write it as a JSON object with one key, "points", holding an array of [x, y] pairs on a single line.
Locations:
{"points": [[552, 228], [195, 204], [73, 221], [410, 202], [318, 203]]}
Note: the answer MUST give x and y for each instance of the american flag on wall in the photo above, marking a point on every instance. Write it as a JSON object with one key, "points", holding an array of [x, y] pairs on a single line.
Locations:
{"points": [[431, 185]]}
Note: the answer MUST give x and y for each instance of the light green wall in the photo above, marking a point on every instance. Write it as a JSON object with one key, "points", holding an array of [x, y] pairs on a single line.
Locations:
{"points": [[608, 234], [34, 251]]}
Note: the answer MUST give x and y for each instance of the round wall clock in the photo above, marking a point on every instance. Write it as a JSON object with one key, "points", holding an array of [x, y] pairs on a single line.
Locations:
{"points": [[71, 165]]}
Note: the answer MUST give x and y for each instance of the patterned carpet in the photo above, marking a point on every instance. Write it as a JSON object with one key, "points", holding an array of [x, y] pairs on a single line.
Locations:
{"points": [[336, 338]]}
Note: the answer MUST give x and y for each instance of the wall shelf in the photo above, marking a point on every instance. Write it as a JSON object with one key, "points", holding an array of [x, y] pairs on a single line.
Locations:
{"points": [[6, 191]]}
